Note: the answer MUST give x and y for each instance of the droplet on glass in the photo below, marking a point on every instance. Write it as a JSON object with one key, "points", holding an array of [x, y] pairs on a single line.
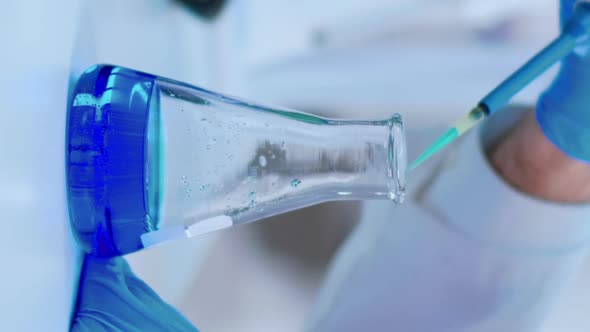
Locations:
{"points": [[262, 161]]}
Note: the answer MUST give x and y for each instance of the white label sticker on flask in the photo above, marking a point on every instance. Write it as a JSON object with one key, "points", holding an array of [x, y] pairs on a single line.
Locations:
{"points": [[208, 225], [163, 235], [171, 233]]}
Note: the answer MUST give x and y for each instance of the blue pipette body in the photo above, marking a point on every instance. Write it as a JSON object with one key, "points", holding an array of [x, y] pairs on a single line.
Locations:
{"points": [[575, 31]]}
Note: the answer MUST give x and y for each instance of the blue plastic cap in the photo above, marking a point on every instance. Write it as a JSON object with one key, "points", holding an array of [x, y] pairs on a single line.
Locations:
{"points": [[563, 111], [106, 131]]}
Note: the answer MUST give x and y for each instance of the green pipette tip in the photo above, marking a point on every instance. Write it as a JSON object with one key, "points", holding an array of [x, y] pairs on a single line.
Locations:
{"points": [[440, 143], [461, 126]]}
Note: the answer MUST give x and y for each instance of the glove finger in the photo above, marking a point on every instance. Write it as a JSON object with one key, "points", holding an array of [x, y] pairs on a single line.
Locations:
{"points": [[112, 298]]}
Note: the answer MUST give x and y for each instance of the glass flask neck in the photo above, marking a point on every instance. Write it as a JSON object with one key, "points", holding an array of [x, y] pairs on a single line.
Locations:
{"points": [[354, 160], [310, 163]]}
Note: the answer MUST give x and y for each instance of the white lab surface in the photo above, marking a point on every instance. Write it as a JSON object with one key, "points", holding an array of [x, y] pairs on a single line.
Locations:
{"points": [[45, 45], [465, 238], [39, 263]]}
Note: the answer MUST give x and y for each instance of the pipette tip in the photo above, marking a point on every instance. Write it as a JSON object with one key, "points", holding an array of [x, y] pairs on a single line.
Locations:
{"points": [[462, 125], [441, 142]]}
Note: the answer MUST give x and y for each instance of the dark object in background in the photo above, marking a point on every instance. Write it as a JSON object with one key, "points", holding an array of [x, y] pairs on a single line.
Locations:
{"points": [[208, 9]]}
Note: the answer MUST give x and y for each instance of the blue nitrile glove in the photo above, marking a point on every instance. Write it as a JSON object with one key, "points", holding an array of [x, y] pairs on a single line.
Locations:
{"points": [[112, 298], [563, 111]]}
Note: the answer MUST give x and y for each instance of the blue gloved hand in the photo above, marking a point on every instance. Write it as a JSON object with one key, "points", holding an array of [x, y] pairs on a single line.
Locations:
{"points": [[563, 111], [112, 298]]}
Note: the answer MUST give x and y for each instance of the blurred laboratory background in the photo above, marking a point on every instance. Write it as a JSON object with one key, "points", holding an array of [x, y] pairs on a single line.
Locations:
{"points": [[429, 60]]}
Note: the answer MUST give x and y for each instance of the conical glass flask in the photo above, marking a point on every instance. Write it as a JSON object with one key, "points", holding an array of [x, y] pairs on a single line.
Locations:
{"points": [[151, 159]]}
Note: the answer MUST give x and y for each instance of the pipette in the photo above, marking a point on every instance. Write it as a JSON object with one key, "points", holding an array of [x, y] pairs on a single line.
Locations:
{"points": [[576, 29]]}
